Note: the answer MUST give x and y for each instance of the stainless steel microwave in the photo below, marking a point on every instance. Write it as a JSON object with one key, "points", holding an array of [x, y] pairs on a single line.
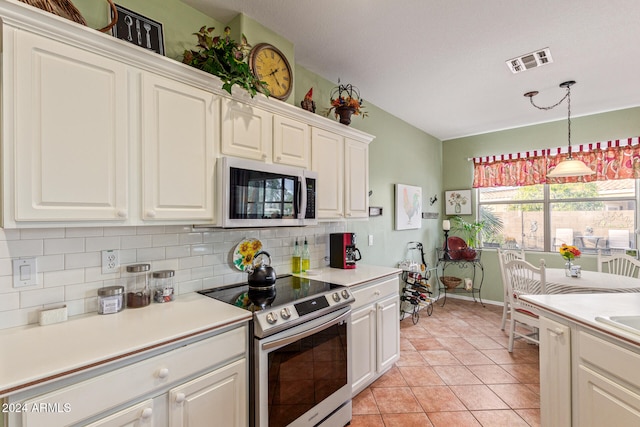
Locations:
{"points": [[256, 194]]}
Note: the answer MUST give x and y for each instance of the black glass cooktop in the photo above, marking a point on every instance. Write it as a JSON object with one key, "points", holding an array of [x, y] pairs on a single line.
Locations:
{"points": [[288, 289]]}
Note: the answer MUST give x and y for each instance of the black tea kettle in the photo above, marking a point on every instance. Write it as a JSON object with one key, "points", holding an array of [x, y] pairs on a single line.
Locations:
{"points": [[263, 275]]}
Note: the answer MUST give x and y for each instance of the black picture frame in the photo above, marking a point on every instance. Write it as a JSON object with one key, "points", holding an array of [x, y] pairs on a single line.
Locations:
{"points": [[138, 30]]}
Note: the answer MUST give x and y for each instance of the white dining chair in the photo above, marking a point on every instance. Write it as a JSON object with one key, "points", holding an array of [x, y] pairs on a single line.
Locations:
{"points": [[504, 256], [619, 263], [524, 279]]}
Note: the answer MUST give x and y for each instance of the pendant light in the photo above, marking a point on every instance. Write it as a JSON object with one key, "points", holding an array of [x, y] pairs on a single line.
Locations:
{"points": [[569, 166]]}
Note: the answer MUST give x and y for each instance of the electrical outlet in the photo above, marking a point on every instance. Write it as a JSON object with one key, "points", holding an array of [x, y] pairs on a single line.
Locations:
{"points": [[110, 261]]}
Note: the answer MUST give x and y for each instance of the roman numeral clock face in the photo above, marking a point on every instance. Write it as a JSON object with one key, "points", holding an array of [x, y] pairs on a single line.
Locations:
{"points": [[271, 66]]}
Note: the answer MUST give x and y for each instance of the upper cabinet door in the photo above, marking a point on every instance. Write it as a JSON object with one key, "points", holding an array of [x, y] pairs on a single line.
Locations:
{"points": [[178, 143], [247, 131], [327, 158], [356, 179], [291, 142], [70, 136]]}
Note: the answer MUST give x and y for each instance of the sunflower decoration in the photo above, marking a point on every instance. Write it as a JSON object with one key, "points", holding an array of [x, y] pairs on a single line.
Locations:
{"points": [[245, 252]]}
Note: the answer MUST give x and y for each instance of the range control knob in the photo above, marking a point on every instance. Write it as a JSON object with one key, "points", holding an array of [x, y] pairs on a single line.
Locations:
{"points": [[272, 318], [285, 313], [336, 297], [345, 293]]}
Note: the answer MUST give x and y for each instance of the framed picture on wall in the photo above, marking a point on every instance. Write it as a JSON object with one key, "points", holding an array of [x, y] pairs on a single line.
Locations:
{"points": [[139, 30], [408, 207], [457, 202]]}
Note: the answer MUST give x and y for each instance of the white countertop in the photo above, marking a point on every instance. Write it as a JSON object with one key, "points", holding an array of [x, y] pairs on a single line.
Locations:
{"points": [[584, 308], [36, 354], [351, 277]]}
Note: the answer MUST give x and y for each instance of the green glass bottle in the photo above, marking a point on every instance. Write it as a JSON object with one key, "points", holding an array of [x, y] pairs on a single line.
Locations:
{"points": [[306, 258], [295, 259]]}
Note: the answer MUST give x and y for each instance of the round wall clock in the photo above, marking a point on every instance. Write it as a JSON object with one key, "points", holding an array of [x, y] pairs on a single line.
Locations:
{"points": [[270, 66]]}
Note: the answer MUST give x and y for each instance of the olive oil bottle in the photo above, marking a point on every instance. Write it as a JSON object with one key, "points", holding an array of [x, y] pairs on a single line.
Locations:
{"points": [[295, 258], [306, 262]]}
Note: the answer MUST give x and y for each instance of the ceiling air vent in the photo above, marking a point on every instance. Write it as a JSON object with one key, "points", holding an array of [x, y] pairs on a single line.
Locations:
{"points": [[530, 60]]}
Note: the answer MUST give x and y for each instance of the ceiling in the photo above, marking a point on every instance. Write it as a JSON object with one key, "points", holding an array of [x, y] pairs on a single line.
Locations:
{"points": [[440, 65]]}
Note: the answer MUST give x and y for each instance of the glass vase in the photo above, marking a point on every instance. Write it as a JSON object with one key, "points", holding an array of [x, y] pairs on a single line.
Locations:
{"points": [[567, 268]]}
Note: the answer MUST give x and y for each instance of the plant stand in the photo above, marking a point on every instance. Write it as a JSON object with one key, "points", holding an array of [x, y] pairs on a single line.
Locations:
{"points": [[477, 275]]}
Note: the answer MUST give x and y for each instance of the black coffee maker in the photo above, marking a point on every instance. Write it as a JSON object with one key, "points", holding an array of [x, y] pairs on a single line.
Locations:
{"points": [[342, 250]]}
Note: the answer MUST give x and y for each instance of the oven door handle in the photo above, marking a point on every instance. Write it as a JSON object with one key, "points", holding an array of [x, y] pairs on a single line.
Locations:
{"points": [[288, 340]]}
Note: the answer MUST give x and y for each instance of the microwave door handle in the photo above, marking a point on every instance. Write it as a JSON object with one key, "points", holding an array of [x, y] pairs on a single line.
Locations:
{"points": [[302, 198]]}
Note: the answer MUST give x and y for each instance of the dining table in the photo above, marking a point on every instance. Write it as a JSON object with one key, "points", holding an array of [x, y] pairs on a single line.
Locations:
{"points": [[589, 282]]}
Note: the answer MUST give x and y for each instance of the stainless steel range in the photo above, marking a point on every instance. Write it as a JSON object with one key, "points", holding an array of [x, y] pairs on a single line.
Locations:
{"points": [[300, 358]]}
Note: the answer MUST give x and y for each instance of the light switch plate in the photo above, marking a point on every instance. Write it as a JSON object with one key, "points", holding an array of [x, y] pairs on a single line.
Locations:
{"points": [[25, 272]]}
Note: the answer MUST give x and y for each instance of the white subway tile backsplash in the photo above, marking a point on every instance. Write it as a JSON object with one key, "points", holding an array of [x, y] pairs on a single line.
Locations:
{"points": [[69, 261], [164, 239], [82, 260], [61, 246], [150, 254], [190, 238], [136, 242], [21, 248], [178, 251], [190, 262], [102, 243], [40, 297], [10, 301], [42, 233], [63, 277], [85, 232], [51, 262]]}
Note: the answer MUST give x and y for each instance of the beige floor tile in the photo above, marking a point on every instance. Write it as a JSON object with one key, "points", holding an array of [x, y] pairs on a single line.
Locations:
{"points": [[406, 420], [437, 399], [517, 396], [453, 419], [395, 400], [364, 403], [531, 416], [492, 374], [456, 375], [420, 376], [499, 418], [392, 378], [366, 421], [477, 397]]}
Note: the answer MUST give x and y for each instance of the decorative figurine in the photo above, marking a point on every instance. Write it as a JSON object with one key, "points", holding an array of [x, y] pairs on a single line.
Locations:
{"points": [[308, 103]]}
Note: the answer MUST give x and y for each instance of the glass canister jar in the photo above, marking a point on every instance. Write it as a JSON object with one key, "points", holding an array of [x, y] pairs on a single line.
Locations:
{"points": [[110, 299], [162, 285], [138, 294]]}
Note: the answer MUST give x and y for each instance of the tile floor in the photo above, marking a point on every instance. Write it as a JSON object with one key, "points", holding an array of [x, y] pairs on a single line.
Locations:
{"points": [[455, 370]]}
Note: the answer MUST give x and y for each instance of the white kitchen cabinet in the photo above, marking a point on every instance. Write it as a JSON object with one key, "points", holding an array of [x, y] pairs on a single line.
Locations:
{"points": [[356, 172], [291, 142], [375, 331], [65, 122], [608, 383], [180, 124], [247, 131], [555, 365], [175, 387], [220, 395], [140, 415], [343, 175], [327, 158]]}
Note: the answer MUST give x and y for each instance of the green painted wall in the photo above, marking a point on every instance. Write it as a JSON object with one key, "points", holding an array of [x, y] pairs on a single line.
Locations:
{"points": [[458, 172], [400, 153]]}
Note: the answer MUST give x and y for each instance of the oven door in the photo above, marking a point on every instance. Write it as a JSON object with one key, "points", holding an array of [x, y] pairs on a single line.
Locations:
{"points": [[303, 374]]}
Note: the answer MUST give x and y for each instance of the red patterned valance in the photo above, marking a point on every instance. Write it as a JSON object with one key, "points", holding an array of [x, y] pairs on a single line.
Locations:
{"points": [[619, 159]]}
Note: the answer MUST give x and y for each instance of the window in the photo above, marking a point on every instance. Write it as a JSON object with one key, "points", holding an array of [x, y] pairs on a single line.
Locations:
{"points": [[599, 215]]}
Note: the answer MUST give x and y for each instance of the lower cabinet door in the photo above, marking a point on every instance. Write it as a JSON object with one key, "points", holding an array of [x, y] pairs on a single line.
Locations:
{"points": [[363, 347], [388, 332], [555, 370], [219, 398], [605, 402], [140, 415]]}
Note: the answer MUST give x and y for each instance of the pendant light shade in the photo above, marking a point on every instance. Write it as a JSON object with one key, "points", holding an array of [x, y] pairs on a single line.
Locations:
{"points": [[569, 166]]}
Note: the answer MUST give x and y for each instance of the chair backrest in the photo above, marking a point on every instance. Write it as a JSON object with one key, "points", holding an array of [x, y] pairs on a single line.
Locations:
{"points": [[619, 239], [620, 264], [504, 256], [563, 236], [525, 278]]}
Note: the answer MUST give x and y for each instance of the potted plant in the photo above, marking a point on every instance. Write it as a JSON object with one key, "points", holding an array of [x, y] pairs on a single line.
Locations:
{"points": [[225, 58], [345, 102], [470, 230]]}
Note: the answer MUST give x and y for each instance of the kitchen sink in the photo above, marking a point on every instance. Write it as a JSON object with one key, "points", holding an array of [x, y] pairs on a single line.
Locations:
{"points": [[627, 323]]}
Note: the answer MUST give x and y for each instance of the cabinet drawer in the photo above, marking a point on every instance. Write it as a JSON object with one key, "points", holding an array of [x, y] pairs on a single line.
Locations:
{"points": [[102, 393], [609, 357], [371, 292]]}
